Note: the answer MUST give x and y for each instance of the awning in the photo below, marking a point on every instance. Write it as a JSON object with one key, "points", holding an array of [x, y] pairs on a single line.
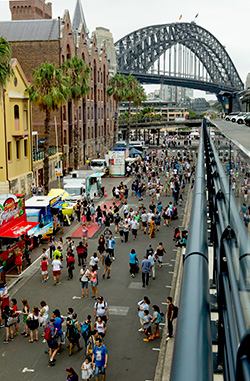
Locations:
{"points": [[59, 192], [19, 229], [97, 174]]}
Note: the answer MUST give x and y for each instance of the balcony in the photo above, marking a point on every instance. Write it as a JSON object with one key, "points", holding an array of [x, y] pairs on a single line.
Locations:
{"points": [[39, 155]]}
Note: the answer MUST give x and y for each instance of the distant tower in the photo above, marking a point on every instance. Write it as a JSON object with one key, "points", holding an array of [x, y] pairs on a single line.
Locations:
{"points": [[30, 9]]}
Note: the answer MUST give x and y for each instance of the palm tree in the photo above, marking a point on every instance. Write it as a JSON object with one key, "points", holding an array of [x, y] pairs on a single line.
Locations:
{"points": [[78, 75], [116, 88], [130, 95], [48, 91], [140, 96], [5, 66]]}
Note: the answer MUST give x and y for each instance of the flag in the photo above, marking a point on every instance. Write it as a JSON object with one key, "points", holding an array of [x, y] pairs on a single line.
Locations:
{"points": [[180, 17], [197, 15]]}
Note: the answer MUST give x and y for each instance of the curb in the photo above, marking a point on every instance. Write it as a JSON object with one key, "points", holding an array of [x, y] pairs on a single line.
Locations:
{"points": [[163, 367]]}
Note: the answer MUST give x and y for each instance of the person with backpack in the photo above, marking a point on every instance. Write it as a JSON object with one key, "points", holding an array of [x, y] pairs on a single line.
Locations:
{"points": [[86, 330], [156, 319], [108, 263], [50, 336], [73, 334], [101, 309], [91, 342], [58, 326], [170, 316]]}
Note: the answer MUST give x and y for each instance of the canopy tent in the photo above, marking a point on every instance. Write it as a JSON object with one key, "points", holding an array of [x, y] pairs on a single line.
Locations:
{"points": [[19, 229], [58, 192]]}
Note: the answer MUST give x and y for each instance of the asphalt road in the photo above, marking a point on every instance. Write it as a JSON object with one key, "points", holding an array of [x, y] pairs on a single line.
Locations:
{"points": [[129, 357]]}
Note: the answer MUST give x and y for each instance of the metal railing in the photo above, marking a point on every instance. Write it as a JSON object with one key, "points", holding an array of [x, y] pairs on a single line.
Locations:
{"points": [[192, 358], [39, 155]]}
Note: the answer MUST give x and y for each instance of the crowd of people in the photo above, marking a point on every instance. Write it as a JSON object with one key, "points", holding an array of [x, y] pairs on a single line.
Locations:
{"points": [[157, 175]]}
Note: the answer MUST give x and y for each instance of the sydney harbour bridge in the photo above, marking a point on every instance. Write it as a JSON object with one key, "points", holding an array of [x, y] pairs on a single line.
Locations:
{"points": [[180, 54]]}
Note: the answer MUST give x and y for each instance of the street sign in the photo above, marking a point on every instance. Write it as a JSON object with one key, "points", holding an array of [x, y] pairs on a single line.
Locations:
{"points": [[58, 171]]}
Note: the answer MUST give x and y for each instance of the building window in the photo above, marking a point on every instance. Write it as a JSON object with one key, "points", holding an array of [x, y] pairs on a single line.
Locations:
{"points": [[92, 113], [64, 137], [25, 119], [16, 112], [64, 113], [18, 149], [80, 113], [68, 50], [9, 152], [63, 58], [25, 142]]}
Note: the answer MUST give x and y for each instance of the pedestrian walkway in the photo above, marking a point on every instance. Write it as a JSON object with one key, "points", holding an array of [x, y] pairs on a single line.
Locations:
{"points": [[94, 226]]}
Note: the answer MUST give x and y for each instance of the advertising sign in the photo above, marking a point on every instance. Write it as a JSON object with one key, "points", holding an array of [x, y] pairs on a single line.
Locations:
{"points": [[10, 209]]}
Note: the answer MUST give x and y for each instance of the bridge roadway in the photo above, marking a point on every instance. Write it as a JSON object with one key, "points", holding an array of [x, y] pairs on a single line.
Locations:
{"points": [[130, 357], [238, 133]]}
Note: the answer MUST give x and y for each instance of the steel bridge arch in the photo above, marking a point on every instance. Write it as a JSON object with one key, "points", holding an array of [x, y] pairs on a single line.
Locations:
{"points": [[138, 51]]}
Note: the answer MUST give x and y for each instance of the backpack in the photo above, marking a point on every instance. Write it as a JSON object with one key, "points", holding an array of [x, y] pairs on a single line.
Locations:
{"points": [[176, 309], [160, 316], [108, 261], [85, 330], [47, 333]]}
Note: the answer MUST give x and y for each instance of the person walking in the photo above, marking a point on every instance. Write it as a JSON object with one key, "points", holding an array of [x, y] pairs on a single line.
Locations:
{"points": [[101, 309], [108, 263], [50, 336], [134, 227], [25, 313], [99, 359], [126, 228], [159, 254], [133, 262], [94, 281], [84, 279], [101, 247], [111, 247], [56, 267], [99, 216], [9, 321], [73, 334], [80, 253], [152, 228], [70, 264], [72, 375], [58, 326], [145, 270]]}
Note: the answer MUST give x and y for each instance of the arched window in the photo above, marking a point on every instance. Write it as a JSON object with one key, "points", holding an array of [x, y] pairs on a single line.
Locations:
{"points": [[16, 112], [68, 50]]}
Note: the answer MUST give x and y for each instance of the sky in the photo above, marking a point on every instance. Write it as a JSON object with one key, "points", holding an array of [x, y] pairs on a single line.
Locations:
{"points": [[227, 20]]}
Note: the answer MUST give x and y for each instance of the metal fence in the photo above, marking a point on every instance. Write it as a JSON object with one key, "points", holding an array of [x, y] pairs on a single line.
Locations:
{"points": [[192, 358]]}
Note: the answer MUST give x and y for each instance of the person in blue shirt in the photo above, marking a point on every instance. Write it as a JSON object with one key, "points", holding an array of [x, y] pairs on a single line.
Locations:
{"points": [[111, 247], [159, 207], [58, 326], [133, 262], [145, 270], [99, 359]]}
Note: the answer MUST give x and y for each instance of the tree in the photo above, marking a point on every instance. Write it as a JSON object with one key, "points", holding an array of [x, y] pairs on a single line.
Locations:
{"points": [[78, 74], [117, 85], [50, 89], [5, 66], [140, 96], [130, 96]]}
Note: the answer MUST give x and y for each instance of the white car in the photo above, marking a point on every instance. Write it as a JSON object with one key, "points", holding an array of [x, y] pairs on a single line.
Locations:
{"points": [[229, 117], [240, 119], [235, 118]]}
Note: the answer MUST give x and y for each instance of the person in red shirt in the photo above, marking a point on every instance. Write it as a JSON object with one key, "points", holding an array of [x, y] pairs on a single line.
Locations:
{"points": [[14, 310], [70, 263], [44, 267]]}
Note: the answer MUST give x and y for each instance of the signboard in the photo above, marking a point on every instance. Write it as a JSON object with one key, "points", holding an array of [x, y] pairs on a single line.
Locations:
{"points": [[10, 209], [58, 171]]}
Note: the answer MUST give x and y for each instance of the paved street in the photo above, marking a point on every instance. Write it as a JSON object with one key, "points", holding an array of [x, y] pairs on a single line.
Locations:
{"points": [[130, 357]]}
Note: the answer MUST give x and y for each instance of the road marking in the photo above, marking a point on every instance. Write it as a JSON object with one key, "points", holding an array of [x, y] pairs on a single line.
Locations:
{"points": [[171, 272], [27, 370], [155, 349], [166, 264], [173, 260], [170, 265], [135, 285], [76, 297], [165, 304], [175, 249], [168, 286], [118, 310], [161, 323]]}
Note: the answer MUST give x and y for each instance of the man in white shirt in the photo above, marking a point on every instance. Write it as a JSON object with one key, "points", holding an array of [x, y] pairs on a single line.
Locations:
{"points": [[134, 226], [144, 220], [56, 267]]}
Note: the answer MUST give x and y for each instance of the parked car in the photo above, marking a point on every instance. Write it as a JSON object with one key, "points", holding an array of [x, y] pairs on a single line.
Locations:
{"points": [[247, 121], [235, 118], [229, 117]]}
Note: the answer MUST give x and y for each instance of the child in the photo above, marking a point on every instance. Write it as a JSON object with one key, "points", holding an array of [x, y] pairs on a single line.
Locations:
{"points": [[147, 326], [156, 320], [180, 200], [87, 371], [44, 267]]}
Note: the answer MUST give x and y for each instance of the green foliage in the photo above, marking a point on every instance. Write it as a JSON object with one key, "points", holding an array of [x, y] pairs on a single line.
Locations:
{"points": [[49, 88], [5, 68], [78, 75], [117, 86]]}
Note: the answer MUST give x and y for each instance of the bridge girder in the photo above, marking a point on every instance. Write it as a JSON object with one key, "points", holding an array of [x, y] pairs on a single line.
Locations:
{"points": [[138, 51]]}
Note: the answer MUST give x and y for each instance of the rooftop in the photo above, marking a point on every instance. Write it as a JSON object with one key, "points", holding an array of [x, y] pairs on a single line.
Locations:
{"points": [[29, 30]]}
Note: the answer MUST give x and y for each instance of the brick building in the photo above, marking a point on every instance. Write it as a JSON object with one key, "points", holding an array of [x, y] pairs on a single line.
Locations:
{"points": [[44, 39]]}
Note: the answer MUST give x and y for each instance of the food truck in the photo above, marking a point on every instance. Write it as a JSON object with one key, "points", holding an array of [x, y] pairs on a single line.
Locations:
{"points": [[13, 227], [80, 184], [39, 210]]}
